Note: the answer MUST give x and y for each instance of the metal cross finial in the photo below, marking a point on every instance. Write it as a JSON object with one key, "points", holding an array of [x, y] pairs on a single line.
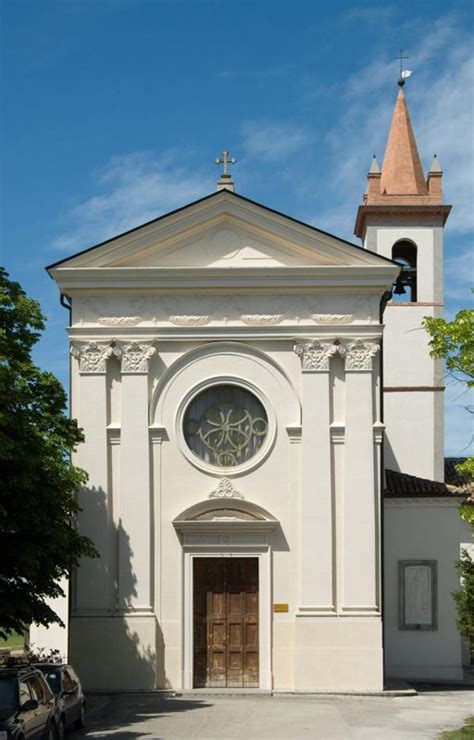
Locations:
{"points": [[225, 160], [401, 81]]}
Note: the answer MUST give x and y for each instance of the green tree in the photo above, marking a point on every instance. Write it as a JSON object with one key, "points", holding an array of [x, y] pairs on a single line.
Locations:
{"points": [[464, 598], [38, 541]]}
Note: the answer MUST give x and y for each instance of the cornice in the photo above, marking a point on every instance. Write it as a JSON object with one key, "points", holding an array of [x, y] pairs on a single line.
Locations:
{"points": [[433, 502], [226, 333], [162, 278], [365, 213]]}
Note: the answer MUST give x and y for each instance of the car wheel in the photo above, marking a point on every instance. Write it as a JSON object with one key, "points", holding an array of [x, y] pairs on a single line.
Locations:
{"points": [[50, 732], [81, 720]]}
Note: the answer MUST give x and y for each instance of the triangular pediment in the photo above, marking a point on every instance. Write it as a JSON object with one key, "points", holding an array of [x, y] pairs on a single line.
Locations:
{"points": [[229, 242], [222, 231]]}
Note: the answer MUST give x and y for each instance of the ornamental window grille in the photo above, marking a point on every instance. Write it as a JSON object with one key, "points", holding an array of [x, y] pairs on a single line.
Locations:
{"points": [[225, 426]]}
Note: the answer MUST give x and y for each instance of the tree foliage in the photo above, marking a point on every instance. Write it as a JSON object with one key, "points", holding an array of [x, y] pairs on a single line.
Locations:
{"points": [[38, 541], [464, 598], [453, 341]]}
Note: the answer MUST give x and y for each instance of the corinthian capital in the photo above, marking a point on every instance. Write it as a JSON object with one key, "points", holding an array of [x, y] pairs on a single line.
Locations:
{"points": [[134, 356], [358, 354], [92, 356], [316, 355]]}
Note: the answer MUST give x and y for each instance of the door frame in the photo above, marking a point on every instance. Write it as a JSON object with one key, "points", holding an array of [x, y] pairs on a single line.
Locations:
{"points": [[263, 554]]}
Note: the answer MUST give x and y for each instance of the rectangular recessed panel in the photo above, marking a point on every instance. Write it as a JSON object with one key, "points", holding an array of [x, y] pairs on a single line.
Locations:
{"points": [[251, 635], [234, 633]]}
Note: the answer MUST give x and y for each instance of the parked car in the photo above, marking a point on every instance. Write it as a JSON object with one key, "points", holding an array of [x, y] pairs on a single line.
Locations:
{"points": [[70, 700], [27, 705]]}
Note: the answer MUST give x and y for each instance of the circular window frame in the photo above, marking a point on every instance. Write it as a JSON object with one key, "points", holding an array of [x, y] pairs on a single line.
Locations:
{"points": [[236, 470]]}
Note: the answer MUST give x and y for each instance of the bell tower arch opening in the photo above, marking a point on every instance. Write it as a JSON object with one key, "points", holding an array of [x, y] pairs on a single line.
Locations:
{"points": [[404, 252]]}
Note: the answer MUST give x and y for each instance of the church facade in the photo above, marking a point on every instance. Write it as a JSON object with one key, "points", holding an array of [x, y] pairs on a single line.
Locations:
{"points": [[264, 441]]}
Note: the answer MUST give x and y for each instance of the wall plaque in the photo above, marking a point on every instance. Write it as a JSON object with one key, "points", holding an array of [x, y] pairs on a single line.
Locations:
{"points": [[417, 595], [280, 607]]}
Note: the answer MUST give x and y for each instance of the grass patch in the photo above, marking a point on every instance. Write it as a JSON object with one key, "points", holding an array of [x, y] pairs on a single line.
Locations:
{"points": [[462, 733], [13, 642]]}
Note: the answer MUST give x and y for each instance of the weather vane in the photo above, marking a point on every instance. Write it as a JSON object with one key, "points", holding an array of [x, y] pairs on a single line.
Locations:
{"points": [[226, 161], [404, 73]]}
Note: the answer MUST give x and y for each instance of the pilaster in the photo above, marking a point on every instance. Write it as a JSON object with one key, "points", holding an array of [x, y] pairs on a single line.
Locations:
{"points": [[134, 556], [361, 527], [92, 590], [316, 519]]}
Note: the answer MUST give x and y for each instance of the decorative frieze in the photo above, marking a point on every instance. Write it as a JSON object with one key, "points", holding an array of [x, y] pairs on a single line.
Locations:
{"points": [[263, 319], [190, 320], [92, 356], [358, 354], [134, 356], [225, 489], [119, 320], [315, 355], [331, 318]]}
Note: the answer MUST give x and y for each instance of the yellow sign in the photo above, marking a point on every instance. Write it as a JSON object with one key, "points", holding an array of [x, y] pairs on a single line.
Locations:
{"points": [[280, 607]]}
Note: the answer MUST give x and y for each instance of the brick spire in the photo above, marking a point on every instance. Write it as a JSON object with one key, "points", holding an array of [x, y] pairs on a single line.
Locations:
{"points": [[400, 186], [402, 173]]}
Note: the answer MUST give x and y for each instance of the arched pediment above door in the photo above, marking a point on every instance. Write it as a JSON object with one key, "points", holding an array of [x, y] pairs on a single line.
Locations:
{"points": [[225, 513]]}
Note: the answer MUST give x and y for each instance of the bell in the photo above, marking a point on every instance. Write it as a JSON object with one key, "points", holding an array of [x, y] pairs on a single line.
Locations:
{"points": [[399, 289]]}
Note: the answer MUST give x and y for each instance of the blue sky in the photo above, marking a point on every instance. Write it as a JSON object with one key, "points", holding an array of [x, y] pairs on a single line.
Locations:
{"points": [[114, 111]]}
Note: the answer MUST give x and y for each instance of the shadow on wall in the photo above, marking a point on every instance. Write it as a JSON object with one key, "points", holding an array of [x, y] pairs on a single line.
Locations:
{"points": [[389, 456], [112, 646]]}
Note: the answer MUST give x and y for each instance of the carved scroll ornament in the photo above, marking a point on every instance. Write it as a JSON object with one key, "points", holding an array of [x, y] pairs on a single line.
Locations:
{"points": [[134, 356], [316, 355], [92, 356], [359, 354]]}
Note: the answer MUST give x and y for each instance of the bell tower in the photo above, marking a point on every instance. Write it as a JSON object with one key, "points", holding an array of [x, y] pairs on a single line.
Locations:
{"points": [[402, 218]]}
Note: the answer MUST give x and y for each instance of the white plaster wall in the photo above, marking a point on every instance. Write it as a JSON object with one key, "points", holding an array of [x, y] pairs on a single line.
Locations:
{"points": [[414, 433], [423, 529], [414, 416], [407, 360], [54, 637]]}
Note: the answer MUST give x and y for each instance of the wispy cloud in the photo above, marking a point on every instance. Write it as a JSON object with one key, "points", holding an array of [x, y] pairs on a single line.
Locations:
{"points": [[130, 190], [440, 101], [273, 141]]}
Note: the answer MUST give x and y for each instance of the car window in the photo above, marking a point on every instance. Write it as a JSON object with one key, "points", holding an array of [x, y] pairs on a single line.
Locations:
{"points": [[8, 694], [68, 684], [47, 693], [24, 692], [73, 674], [52, 677], [35, 688]]}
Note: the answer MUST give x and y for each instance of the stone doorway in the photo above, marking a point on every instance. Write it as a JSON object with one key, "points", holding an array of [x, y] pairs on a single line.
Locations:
{"points": [[226, 622]]}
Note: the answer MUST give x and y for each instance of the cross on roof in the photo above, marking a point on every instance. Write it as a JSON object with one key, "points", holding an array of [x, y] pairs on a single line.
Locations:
{"points": [[225, 160], [401, 59]]}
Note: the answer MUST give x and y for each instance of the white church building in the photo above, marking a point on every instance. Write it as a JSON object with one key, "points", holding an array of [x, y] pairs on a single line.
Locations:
{"points": [[264, 441]]}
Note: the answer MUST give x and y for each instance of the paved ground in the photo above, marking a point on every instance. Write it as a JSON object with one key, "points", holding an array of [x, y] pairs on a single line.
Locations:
{"points": [[130, 716]]}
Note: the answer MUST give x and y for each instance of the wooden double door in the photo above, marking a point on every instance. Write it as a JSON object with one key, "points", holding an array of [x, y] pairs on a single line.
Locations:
{"points": [[225, 622]]}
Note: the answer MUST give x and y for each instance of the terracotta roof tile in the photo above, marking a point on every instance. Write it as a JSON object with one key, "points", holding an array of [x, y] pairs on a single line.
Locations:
{"points": [[402, 173]]}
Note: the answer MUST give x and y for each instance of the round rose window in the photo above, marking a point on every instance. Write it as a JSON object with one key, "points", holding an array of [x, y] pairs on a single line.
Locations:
{"points": [[225, 426]]}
